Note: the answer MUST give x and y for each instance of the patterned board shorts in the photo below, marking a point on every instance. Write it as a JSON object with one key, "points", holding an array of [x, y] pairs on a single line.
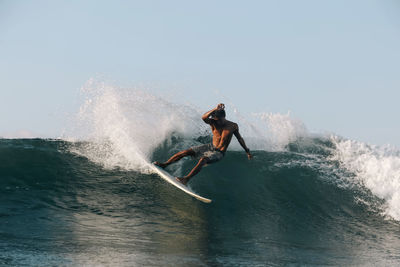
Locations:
{"points": [[208, 151]]}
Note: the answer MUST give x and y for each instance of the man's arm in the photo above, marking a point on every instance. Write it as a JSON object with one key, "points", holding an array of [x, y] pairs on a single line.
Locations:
{"points": [[242, 143], [206, 116]]}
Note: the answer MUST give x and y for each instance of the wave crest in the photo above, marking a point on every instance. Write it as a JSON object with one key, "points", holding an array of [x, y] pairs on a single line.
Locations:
{"points": [[377, 168], [125, 125]]}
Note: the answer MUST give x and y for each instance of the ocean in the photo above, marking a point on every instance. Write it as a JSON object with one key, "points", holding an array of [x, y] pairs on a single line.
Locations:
{"points": [[87, 199]]}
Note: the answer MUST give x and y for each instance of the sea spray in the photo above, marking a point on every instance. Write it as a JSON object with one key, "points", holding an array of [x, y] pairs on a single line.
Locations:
{"points": [[125, 125], [375, 167]]}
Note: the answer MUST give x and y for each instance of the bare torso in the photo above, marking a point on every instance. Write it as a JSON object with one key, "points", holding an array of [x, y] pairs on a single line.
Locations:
{"points": [[222, 135]]}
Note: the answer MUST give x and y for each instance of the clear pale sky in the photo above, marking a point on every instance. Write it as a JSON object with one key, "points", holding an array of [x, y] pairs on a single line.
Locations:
{"points": [[334, 64]]}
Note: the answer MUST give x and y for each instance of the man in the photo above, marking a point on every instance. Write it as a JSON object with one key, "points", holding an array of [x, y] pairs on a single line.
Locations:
{"points": [[222, 130]]}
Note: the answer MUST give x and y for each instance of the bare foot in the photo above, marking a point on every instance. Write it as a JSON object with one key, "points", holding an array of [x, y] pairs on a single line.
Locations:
{"points": [[159, 164], [182, 180]]}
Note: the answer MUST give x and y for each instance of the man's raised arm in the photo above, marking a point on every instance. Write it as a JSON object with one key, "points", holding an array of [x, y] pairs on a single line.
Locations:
{"points": [[206, 116], [242, 143]]}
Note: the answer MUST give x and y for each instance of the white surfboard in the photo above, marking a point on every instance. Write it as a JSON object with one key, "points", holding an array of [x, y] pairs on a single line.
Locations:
{"points": [[171, 179]]}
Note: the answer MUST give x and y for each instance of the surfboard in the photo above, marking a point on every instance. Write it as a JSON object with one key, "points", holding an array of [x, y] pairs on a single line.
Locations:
{"points": [[171, 179]]}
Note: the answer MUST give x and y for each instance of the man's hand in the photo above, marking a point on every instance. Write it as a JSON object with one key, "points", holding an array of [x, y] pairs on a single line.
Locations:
{"points": [[221, 106], [249, 155], [206, 116]]}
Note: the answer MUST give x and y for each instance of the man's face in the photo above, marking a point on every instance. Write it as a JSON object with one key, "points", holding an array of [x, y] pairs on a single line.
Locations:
{"points": [[218, 121]]}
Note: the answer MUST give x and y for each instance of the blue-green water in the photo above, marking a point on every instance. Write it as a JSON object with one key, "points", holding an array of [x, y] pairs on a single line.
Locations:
{"points": [[293, 207]]}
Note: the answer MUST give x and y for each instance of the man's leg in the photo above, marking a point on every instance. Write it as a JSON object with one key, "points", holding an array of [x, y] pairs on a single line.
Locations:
{"points": [[176, 157], [194, 171]]}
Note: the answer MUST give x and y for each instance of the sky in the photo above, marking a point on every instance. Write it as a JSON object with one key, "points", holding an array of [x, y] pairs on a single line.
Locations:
{"points": [[335, 65]]}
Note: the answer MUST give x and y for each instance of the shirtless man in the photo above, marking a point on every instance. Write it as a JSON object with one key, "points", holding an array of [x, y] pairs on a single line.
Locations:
{"points": [[222, 130]]}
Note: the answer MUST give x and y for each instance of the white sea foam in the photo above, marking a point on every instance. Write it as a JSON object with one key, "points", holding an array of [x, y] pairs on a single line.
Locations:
{"points": [[376, 167], [125, 125], [270, 131]]}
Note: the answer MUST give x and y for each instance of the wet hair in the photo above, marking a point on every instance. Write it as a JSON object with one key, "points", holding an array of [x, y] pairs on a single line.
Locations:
{"points": [[219, 113]]}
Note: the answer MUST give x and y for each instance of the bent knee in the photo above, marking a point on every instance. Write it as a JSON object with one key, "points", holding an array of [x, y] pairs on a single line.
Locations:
{"points": [[189, 152]]}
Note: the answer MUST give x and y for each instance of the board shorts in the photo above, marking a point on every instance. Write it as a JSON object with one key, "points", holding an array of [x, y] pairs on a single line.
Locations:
{"points": [[209, 151]]}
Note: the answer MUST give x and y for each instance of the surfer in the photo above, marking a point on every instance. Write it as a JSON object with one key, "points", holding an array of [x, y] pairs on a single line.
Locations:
{"points": [[222, 130]]}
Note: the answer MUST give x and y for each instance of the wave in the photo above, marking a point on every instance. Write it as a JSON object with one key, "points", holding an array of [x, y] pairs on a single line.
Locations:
{"points": [[299, 189], [119, 128], [125, 128], [303, 199], [312, 171]]}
